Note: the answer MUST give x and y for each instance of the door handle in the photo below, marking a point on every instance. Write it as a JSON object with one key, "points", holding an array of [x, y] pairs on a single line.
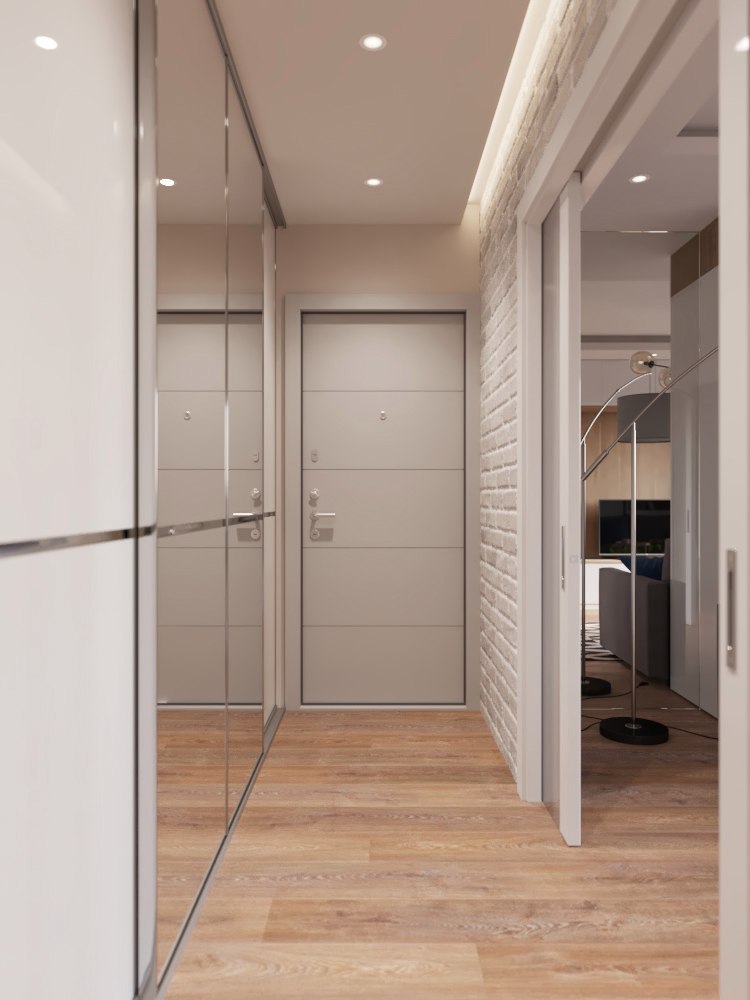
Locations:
{"points": [[314, 518], [562, 557], [731, 609]]}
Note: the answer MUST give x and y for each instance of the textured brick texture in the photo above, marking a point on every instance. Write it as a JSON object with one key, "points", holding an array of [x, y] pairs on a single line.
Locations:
{"points": [[569, 35]]}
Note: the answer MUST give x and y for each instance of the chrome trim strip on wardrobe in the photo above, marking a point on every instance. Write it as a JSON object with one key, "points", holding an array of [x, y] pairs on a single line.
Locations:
{"points": [[170, 530], [72, 541], [269, 189]]}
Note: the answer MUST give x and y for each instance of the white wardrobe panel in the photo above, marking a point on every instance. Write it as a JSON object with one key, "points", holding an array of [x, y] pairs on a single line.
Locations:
{"points": [[383, 587], [67, 654], [246, 587], [191, 430], [246, 355], [383, 430], [395, 348], [191, 587], [190, 495], [147, 749], [245, 430], [67, 262], [191, 665], [383, 665], [190, 355], [684, 631], [708, 433], [402, 508], [246, 665]]}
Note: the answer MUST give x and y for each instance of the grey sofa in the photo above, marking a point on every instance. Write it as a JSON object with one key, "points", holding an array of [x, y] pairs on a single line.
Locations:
{"points": [[651, 619]]}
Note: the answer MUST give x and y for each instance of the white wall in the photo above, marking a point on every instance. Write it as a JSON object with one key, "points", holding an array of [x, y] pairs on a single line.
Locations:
{"points": [[67, 438], [565, 43]]}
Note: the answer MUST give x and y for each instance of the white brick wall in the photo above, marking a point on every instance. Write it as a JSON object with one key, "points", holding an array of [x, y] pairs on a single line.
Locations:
{"points": [[570, 33]]}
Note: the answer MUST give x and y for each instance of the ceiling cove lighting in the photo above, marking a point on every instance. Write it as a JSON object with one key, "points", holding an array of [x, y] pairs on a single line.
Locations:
{"points": [[743, 45], [640, 178], [166, 182], [374, 182], [45, 42], [373, 43]]}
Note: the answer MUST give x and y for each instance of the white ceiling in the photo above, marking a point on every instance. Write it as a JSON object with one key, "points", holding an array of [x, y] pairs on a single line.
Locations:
{"points": [[683, 191], [330, 115]]}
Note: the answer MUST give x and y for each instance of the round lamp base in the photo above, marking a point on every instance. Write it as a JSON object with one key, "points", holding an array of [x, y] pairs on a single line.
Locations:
{"points": [[637, 732], [594, 687]]}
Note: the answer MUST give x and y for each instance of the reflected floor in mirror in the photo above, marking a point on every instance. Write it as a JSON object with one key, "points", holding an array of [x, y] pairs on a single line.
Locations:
{"points": [[387, 855], [192, 801]]}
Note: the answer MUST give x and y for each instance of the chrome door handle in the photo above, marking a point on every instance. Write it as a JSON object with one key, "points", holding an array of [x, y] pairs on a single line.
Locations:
{"points": [[731, 600], [314, 518]]}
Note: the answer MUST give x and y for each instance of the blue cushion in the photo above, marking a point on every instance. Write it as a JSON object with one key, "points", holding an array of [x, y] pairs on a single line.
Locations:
{"points": [[650, 566]]}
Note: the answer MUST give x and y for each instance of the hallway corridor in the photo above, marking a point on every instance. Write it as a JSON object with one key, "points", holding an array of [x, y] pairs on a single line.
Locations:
{"points": [[386, 855]]}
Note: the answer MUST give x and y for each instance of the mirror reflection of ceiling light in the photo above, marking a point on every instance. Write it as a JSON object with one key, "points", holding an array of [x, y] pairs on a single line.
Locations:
{"points": [[45, 42], [640, 178], [372, 43], [743, 45], [374, 182], [166, 182]]}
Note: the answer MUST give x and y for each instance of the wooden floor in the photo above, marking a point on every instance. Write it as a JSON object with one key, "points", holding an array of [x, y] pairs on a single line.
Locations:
{"points": [[386, 855], [205, 760]]}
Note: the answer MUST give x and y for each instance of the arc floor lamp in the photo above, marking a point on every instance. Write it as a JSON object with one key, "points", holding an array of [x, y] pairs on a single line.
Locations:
{"points": [[630, 728]]}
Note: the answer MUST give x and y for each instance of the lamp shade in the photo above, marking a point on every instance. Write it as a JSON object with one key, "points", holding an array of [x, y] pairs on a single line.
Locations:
{"points": [[654, 426]]}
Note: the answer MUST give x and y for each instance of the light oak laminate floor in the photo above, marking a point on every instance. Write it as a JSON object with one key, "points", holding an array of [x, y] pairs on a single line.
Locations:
{"points": [[205, 761], [386, 855]]}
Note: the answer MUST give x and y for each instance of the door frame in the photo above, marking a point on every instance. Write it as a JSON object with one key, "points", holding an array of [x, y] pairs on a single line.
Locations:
{"points": [[295, 307], [668, 33]]}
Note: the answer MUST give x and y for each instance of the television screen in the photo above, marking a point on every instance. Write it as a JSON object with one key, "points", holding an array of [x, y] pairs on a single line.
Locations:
{"points": [[652, 526]]}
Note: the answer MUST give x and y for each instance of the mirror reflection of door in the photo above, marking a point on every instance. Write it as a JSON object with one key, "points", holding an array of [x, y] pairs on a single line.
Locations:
{"points": [[210, 458]]}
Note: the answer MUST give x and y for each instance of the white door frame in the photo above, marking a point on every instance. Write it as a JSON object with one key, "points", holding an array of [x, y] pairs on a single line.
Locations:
{"points": [[295, 308], [605, 81]]}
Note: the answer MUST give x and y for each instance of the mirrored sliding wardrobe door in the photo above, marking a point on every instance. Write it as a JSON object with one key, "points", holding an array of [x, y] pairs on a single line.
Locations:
{"points": [[245, 452], [192, 398]]}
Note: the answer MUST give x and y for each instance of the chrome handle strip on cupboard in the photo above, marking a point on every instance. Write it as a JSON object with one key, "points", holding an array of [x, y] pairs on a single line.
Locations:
{"points": [[34, 545], [189, 527]]}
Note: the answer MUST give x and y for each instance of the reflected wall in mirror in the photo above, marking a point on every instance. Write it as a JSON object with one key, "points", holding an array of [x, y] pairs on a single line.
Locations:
{"points": [[210, 438]]}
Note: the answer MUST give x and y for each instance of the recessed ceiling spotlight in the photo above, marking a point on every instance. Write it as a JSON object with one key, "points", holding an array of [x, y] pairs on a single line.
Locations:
{"points": [[743, 45], [640, 178], [374, 182], [45, 42], [166, 182], [373, 43]]}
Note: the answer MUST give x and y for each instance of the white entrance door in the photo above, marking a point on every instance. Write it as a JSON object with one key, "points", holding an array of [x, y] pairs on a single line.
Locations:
{"points": [[561, 536], [383, 509], [734, 497]]}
